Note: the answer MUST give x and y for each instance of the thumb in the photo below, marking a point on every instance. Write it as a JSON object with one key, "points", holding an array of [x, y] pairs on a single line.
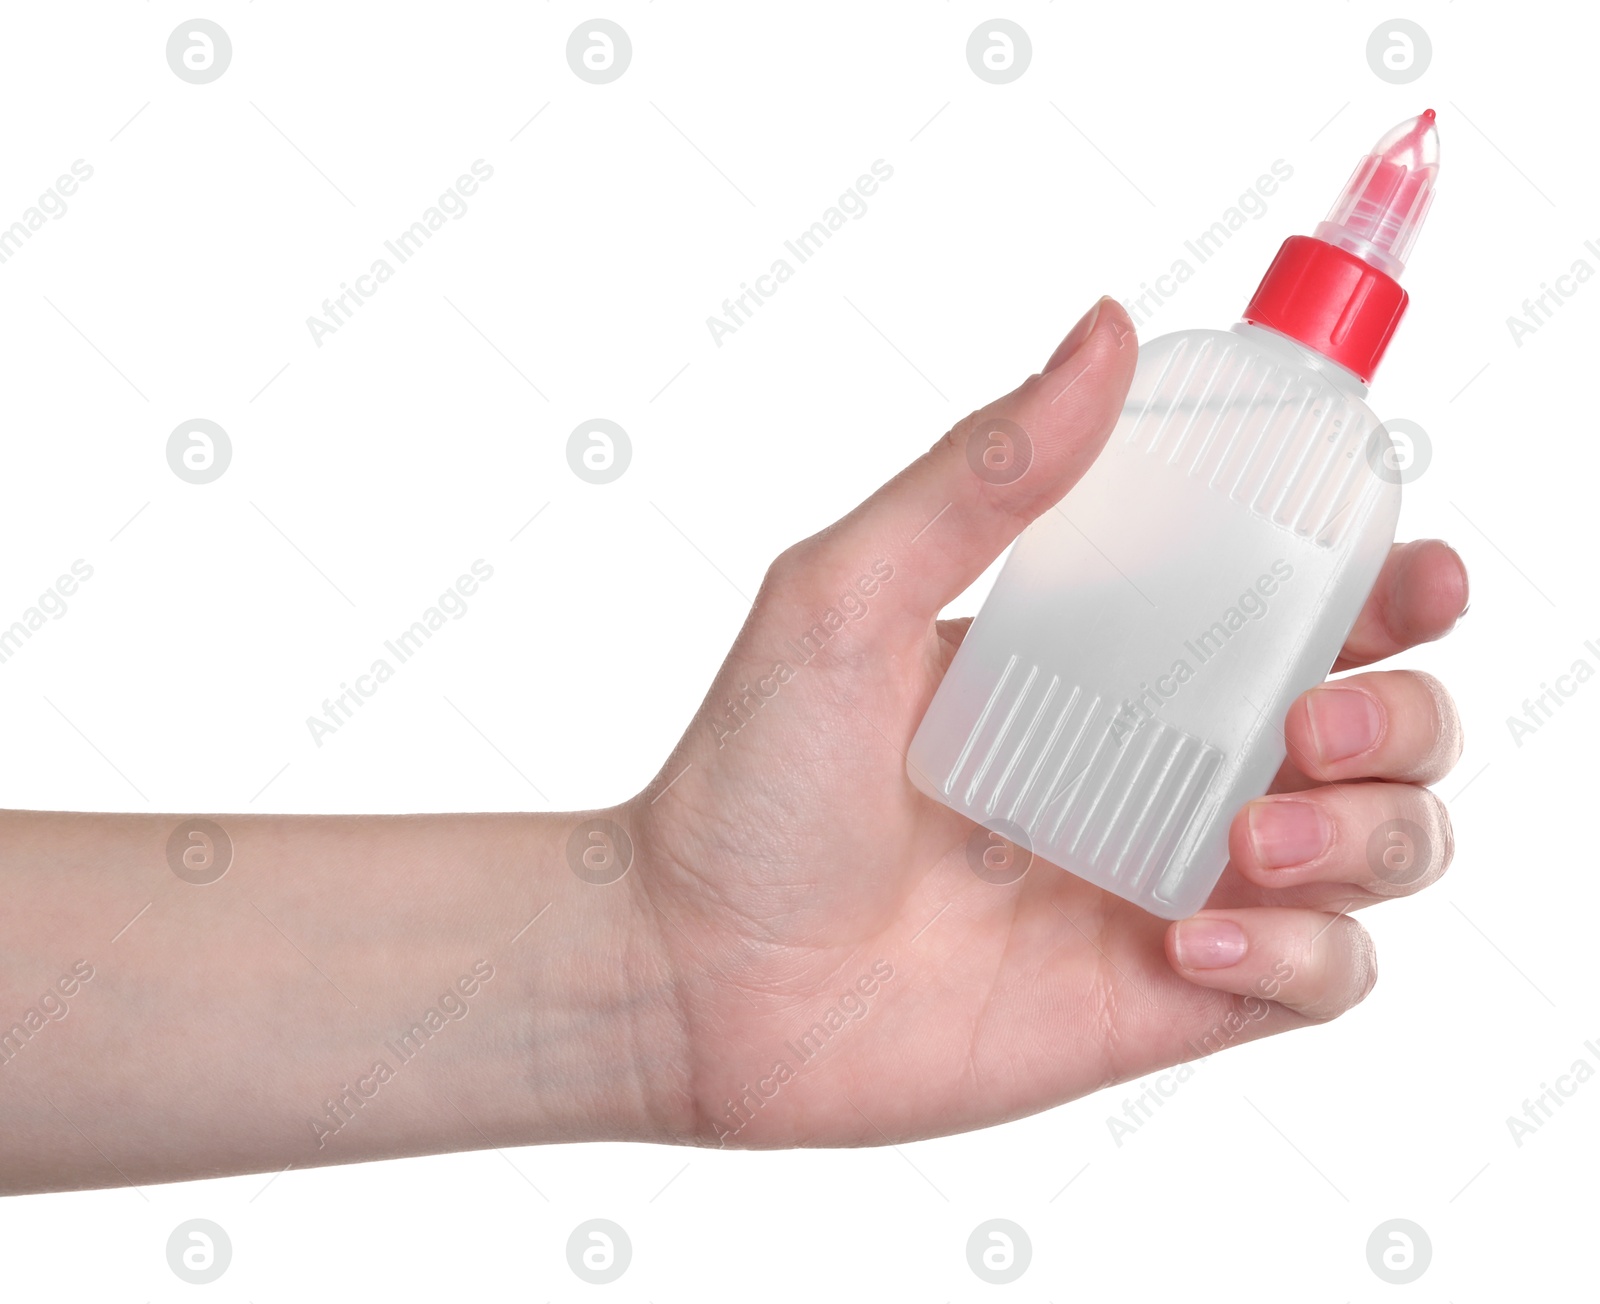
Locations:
{"points": [[948, 515]]}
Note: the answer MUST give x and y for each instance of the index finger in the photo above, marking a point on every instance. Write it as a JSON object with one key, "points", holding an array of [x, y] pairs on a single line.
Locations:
{"points": [[1419, 595]]}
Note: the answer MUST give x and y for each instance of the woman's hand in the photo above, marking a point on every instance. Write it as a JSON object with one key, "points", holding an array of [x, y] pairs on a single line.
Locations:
{"points": [[845, 977], [799, 952]]}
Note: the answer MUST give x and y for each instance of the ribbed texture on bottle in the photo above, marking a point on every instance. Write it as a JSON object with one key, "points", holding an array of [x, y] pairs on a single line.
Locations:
{"points": [[1275, 440], [1107, 798]]}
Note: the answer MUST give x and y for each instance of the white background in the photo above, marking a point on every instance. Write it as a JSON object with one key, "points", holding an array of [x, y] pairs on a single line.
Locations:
{"points": [[428, 431]]}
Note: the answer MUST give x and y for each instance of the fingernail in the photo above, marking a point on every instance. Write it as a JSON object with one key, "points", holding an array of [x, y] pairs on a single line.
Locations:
{"points": [[1209, 943], [1286, 833], [1076, 336], [1344, 722]]}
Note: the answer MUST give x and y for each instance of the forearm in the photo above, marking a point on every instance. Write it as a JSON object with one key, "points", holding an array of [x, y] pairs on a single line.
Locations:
{"points": [[352, 987]]}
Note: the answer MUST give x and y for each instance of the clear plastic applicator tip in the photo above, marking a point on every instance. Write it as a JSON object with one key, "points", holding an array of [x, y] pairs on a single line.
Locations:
{"points": [[1384, 202], [1338, 292]]}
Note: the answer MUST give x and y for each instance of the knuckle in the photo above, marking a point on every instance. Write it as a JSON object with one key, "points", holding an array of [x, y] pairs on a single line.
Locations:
{"points": [[813, 595], [799, 571], [994, 451], [787, 567], [955, 439]]}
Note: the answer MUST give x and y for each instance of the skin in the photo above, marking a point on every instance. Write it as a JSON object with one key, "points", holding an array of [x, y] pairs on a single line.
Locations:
{"points": [[799, 951]]}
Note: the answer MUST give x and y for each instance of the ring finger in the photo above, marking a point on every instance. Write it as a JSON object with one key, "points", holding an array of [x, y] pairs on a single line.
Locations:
{"points": [[1381, 839]]}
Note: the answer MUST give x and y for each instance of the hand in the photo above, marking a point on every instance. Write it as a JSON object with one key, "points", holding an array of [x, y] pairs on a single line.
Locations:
{"points": [[799, 951], [843, 977]]}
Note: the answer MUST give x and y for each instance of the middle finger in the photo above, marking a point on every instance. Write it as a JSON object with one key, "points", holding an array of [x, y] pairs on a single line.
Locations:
{"points": [[1387, 724]]}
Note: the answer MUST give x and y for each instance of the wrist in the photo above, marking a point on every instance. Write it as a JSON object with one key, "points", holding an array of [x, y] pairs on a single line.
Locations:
{"points": [[604, 1041]]}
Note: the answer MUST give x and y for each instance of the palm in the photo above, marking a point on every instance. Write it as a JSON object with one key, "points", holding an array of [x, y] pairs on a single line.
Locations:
{"points": [[1006, 998]]}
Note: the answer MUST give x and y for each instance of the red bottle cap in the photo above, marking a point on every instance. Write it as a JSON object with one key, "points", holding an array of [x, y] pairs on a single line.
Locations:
{"points": [[1330, 301], [1337, 292]]}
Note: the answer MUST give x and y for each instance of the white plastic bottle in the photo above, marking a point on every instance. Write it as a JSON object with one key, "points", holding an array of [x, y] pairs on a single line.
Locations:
{"points": [[1123, 690]]}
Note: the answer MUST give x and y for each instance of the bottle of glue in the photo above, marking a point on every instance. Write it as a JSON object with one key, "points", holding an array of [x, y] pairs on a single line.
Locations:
{"points": [[1122, 692]]}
